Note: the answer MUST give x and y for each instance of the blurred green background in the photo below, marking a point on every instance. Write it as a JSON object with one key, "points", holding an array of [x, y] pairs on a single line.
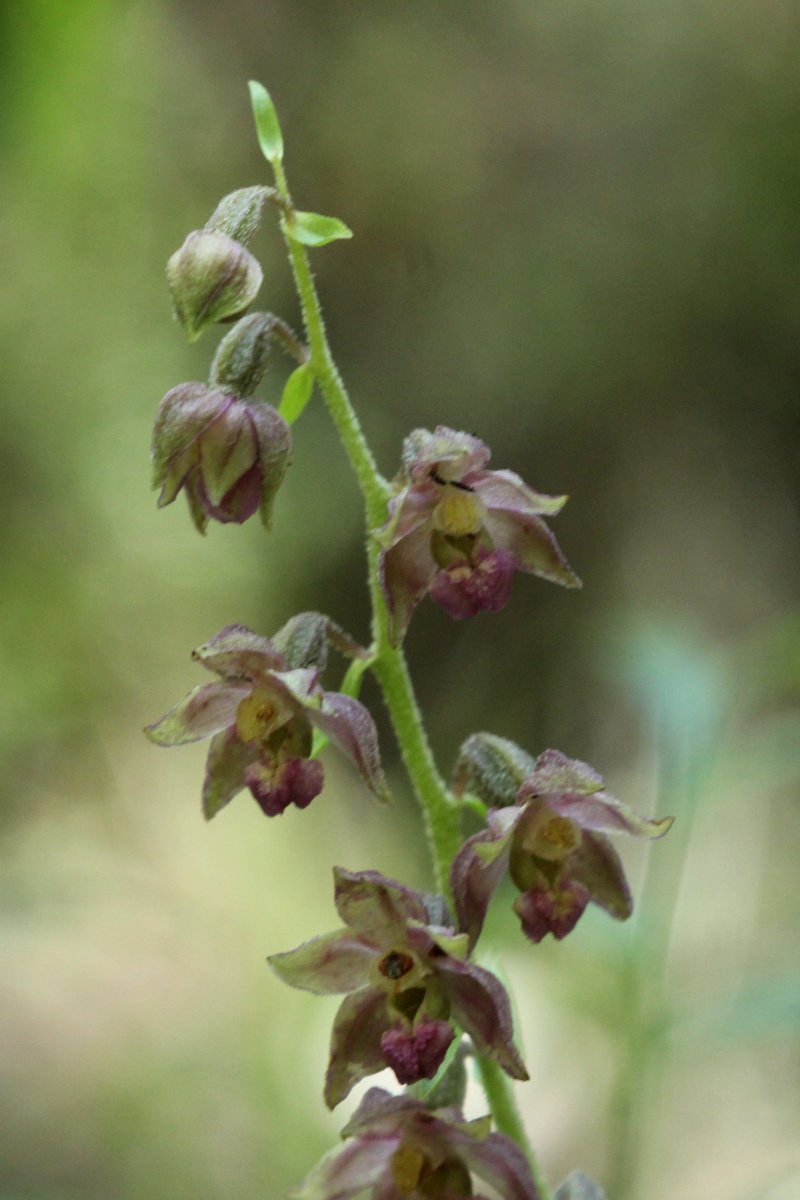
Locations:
{"points": [[576, 234]]}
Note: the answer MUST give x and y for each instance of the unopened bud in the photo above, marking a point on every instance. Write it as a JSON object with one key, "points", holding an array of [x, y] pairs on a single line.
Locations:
{"points": [[239, 213], [492, 768], [241, 358], [211, 278]]}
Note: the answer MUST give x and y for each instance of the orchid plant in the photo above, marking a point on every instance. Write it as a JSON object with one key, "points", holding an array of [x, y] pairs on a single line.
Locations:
{"points": [[416, 999]]}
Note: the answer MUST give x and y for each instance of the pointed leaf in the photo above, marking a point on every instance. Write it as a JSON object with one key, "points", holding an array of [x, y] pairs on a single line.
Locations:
{"points": [[268, 128], [297, 392], [313, 229]]}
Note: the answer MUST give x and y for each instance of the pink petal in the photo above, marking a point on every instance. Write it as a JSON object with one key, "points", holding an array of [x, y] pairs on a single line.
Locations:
{"points": [[333, 963], [597, 866], [377, 908], [505, 490], [355, 1042], [407, 570], [480, 1005], [532, 544], [206, 710], [228, 759], [351, 728], [236, 653]]}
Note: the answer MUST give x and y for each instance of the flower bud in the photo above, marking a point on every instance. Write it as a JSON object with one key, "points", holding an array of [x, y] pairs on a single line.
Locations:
{"points": [[211, 278], [228, 455], [239, 213], [492, 768], [241, 358]]}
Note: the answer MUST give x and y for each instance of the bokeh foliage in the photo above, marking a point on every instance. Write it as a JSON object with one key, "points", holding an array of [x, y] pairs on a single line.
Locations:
{"points": [[576, 234]]}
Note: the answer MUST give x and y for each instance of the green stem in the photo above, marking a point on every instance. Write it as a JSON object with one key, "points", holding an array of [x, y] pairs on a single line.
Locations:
{"points": [[499, 1093], [439, 809], [374, 487]]}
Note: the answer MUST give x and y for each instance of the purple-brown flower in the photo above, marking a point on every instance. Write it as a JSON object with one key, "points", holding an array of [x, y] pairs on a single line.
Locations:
{"points": [[260, 715], [398, 1149], [551, 839], [229, 455], [406, 983], [459, 532]]}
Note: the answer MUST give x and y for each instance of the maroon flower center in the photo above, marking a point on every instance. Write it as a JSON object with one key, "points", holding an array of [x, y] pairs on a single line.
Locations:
{"points": [[395, 965]]}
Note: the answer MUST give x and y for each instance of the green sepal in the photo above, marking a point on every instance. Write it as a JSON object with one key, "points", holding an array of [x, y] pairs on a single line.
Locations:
{"points": [[312, 229], [296, 393], [268, 128]]}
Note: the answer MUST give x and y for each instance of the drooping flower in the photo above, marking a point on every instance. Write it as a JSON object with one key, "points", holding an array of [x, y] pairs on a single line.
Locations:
{"points": [[397, 1149], [406, 983], [459, 532], [212, 277], [550, 835], [229, 455], [260, 715]]}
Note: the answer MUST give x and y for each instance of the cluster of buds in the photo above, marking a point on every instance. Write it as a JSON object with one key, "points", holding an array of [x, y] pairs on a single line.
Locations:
{"points": [[227, 451]]}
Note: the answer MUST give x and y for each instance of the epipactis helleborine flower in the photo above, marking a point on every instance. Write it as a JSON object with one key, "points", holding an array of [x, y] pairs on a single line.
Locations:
{"points": [[398, 1149], [459, 532], [260, 716], [406, 981], [553, 843], [229, 455]]}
